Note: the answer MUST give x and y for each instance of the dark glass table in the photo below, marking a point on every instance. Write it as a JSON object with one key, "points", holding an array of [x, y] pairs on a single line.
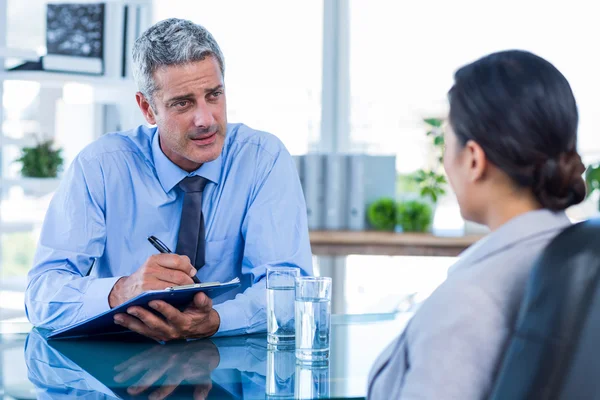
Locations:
{"points": [[242, 367]]}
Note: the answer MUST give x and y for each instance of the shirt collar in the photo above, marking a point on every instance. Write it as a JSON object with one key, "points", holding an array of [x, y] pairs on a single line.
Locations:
{"points": [[169, 174]]}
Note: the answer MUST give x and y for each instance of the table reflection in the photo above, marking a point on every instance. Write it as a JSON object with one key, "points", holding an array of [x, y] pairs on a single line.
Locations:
{"points": [[221, 368]]}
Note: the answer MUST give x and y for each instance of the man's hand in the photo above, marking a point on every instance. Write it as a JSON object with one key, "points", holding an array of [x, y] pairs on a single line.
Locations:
{"points": [[199, 320], [158, 272]]}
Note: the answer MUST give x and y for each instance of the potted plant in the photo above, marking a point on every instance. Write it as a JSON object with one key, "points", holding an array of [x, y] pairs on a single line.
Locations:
{"points": [[432, 181], [381, 214], [40, 166], [41, 161], [414, 216]]}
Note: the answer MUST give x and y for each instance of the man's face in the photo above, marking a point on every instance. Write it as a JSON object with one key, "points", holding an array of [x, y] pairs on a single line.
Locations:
{"points": [[190, 112]]}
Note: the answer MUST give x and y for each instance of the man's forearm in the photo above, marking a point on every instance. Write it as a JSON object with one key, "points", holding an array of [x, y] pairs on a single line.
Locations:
{"points": [[55, 299], [246, 313]]}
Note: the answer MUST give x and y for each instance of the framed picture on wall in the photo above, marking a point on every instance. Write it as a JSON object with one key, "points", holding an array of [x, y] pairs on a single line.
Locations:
{"points": [[75, 38]]}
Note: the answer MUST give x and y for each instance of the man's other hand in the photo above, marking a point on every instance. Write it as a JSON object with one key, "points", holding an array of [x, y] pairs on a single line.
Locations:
{"points": [[198, 320]]}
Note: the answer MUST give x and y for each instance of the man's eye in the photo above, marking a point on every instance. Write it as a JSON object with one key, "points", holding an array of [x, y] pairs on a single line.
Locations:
{"points": [[216, 94], [181, 104]]}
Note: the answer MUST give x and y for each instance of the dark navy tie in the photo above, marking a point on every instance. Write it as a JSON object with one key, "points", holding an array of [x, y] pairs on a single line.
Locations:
{"points": [[190, 241]]}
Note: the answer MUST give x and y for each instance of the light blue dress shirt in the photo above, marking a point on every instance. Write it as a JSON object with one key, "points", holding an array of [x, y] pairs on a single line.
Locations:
{"points": [[122, 188]]}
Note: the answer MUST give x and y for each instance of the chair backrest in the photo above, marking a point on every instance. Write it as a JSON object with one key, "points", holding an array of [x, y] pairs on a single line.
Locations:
{"points": [[553, 351]]}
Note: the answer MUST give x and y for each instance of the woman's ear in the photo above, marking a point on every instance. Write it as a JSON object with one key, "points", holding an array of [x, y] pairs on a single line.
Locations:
{"points": [[475, 160]]}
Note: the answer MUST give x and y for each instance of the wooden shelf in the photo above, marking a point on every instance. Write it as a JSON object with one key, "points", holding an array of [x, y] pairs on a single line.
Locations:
{"points": [[340, 243]]}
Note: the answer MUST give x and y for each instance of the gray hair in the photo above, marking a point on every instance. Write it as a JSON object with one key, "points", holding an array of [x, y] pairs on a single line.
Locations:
{"points": [[172, 41]]}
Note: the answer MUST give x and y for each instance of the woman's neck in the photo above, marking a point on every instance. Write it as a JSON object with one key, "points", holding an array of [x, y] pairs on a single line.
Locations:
{"points": [[504, 209]]}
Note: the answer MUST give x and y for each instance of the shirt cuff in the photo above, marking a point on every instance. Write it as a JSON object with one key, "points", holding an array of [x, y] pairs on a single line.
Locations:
{"points": [[95, 300], [233, 319]]}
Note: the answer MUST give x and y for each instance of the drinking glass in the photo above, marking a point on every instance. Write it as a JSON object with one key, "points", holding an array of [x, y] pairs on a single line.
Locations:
{"points": [[313, 318], [280, 304]]}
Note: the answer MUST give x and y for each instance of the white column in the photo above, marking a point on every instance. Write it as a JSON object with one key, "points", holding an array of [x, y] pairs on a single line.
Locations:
{"points": [[335, 137], [48, 99], [335, 99], [3, 28], [335, 268]]}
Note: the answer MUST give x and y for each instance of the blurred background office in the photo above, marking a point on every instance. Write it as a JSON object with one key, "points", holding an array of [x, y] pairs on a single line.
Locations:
{"points": [[336, 80]]}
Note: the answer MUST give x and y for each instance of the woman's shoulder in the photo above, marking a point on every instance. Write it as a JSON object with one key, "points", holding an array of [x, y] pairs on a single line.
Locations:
{"points": [[492, 277], [459, 298]]}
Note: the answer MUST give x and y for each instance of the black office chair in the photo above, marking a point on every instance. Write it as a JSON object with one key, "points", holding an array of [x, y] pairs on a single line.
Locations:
{"points": [[554, 352]]}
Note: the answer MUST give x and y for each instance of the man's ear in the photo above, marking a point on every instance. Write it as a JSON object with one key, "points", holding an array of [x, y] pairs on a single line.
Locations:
{"points": [[146, 108], [476, 159]]}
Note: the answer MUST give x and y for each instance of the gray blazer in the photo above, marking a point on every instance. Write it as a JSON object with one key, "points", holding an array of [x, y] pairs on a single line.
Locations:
{"points": [[452, 346]]}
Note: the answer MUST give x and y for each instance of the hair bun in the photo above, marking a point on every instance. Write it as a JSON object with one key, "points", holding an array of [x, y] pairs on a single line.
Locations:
{"points": [[559, 183]]}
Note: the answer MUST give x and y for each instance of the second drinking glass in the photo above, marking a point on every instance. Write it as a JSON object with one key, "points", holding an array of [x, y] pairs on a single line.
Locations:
{"points": [[313, 319]]}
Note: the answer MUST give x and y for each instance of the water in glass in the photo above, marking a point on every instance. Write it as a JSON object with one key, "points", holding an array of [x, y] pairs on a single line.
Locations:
{"points": [[280, 305], [313, 320]]}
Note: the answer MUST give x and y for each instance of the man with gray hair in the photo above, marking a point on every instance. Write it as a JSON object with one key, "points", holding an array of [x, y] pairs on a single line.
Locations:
{"points": [[227, 198]]}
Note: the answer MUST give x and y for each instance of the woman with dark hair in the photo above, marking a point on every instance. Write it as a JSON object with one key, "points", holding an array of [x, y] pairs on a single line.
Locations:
{"points": [[512, 161]]}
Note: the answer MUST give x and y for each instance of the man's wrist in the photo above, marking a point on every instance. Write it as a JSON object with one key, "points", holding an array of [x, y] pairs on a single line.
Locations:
{"points": [[215, 320], [114, 298]]}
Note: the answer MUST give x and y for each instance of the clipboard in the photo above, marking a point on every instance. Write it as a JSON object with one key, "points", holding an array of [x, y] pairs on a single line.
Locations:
{"points": [[177, 296]]}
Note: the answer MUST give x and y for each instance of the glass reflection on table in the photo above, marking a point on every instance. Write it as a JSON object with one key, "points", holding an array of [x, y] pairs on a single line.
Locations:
{"points": [[312, 380], [281, 361]]}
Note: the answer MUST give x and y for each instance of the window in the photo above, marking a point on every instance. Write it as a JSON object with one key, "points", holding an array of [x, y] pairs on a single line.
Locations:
{"points": [[403, 56], [26, 36], [272, 53], [17, 256], [391, 283]]}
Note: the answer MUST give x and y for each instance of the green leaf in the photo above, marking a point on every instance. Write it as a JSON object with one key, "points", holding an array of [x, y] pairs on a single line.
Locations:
{"points": [[430, 183], [441, 179], [406, 183], [592, 178], [420, 176], [437, 122]]}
